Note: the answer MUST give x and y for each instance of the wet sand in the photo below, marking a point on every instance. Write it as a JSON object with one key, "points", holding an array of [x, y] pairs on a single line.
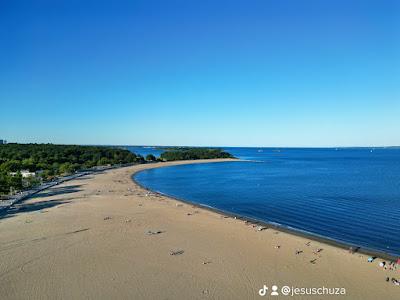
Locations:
{"points": [[103, 236]]}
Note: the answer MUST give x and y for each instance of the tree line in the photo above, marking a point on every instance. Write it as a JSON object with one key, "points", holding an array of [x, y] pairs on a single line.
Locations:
{"points": [[55, 160], [194, 153]]}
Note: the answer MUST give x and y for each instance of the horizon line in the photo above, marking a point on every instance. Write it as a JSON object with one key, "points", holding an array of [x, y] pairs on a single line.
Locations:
{"points": [[210, 146]]}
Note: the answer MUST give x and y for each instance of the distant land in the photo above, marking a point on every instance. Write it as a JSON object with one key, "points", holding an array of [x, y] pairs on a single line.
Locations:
{"points": [[23, 166]]}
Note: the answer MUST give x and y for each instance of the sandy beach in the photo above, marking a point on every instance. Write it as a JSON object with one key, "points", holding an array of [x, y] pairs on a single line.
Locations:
{"points": [[104, 237]]}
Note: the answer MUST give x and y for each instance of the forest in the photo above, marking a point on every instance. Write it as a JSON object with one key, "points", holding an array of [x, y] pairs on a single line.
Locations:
{"points": [[193, 153], [23, 166], [53, 160]]}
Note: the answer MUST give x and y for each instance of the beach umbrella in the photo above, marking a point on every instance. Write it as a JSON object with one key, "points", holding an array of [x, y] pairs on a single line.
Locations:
{"points": [[398, 261]]}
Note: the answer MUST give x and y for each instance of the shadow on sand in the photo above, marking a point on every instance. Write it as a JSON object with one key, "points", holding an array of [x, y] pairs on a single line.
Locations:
{"points": [[24, 207], [54, 191], [31, 207]]}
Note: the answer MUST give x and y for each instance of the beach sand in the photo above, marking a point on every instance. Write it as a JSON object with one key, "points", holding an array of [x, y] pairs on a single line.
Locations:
{"points": [[88, 239]]}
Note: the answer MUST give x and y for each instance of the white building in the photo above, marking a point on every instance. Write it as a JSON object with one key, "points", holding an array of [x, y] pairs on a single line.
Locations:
{"points": [[24, 173]]}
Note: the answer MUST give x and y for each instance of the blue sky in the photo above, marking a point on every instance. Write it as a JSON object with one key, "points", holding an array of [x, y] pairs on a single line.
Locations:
{"points": [[221, 73]]}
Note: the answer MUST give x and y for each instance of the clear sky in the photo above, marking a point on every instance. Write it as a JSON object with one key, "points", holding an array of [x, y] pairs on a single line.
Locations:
{"points": [[220, 73]]}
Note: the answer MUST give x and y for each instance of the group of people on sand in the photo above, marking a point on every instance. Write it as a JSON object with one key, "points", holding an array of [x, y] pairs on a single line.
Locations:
{"points": [[394, 280], [391, 266]]}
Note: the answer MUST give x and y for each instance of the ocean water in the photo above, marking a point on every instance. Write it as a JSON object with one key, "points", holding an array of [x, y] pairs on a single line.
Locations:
{"points": [[145, 150], [347, 194]]}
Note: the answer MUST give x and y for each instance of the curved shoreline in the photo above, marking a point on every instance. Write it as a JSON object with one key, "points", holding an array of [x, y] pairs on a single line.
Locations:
{"points": [[103, 236], [297, 232]]}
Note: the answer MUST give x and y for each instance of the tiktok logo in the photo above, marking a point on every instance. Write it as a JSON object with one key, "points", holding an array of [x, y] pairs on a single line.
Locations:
{"points": [[263, 291]]}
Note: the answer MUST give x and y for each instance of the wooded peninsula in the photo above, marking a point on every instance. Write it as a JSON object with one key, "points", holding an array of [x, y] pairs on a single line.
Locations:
{"points": [[23, 166]]}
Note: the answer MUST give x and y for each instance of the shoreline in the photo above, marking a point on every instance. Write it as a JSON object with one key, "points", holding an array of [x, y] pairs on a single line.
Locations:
{"points": [[293, 231], [103, 236]]}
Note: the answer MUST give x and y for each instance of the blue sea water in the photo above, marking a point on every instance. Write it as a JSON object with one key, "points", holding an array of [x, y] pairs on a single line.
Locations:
{"points": [[145, 150], [347, 194]]}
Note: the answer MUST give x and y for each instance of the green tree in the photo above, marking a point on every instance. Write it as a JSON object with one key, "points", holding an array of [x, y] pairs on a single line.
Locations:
{"points": [[31, 181], [140, 159], [4, 183], [12, 165], [103, 161], [15, 181], [150, 157], [66, 168], [28, 164]]}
